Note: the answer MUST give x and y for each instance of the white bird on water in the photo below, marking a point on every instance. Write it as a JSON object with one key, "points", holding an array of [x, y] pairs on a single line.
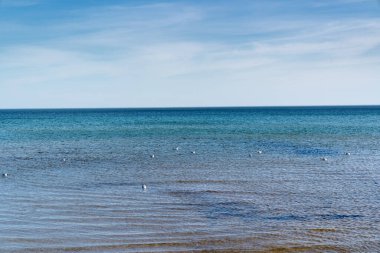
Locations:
{"points": [[143, 187], [177, 148], [259, 152], [193, 152], [152, 156], [347, 153], [324, 159], [4, 175]]}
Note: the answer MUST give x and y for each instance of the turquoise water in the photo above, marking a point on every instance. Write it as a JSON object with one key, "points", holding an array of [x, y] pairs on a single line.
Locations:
{"points": [[74, 180]]}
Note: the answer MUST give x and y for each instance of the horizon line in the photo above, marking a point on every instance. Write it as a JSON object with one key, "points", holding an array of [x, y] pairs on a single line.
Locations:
{"points": [[190, 107]]}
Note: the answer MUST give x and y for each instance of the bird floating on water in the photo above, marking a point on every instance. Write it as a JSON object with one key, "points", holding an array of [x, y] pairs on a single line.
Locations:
{"points": [[152, 156], [259, 152], [347, 153], [4, 175], [177, 148], [193, 152], [143, 187], [324, 159]]}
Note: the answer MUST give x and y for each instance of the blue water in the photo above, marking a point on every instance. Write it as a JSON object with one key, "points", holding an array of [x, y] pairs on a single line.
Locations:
{"points": [[74, 180]]}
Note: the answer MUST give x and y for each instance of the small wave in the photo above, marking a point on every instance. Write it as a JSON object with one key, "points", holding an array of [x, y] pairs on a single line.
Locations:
{"points": [[292, 217]]}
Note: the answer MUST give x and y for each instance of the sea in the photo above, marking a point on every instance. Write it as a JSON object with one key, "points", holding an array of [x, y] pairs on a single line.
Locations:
{"points": [[250, 179]]}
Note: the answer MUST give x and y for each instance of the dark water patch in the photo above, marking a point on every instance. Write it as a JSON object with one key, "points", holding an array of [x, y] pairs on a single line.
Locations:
{"points": [[290, 147], [97, 185], [23, 158], [289, 217], [208, 205], [324, 230], [203, 193], [246, 211], [310, 151], [312, 217], [339, 216], [209, 181]]}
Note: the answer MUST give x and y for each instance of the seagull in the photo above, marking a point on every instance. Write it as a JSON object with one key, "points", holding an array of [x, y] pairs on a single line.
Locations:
{"points": [[347, 153], [259, 152], [324, 159], [177, 148], [143, 186], [193, 152], [152, 156], [4, 174]]}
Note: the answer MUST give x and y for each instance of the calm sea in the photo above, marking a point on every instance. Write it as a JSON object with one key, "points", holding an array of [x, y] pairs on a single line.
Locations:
{"points": [[228, 179]]}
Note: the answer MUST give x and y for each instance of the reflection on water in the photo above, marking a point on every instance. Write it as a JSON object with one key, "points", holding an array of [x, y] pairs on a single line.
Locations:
{"points": [[75, 177]]}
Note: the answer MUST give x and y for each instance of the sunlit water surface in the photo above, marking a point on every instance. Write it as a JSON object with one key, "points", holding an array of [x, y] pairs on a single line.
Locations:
{"points": [[74, 180]]}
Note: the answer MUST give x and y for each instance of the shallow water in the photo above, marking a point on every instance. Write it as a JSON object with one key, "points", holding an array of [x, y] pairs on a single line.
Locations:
{"points": [[74, 180]]}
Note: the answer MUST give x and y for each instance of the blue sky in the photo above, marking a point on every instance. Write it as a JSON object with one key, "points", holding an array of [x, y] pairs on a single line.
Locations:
{"points": [[116, 53]]}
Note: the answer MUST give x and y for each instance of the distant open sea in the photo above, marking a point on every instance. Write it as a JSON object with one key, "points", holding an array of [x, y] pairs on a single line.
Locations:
{"points": [[264, 179]]}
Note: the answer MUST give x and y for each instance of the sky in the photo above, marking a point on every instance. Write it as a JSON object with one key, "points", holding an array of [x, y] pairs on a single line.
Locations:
{"points": [[98, 53]]}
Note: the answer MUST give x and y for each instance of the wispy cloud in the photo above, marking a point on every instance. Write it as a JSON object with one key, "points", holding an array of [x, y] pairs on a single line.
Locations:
{"points": [[167, 53]]}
